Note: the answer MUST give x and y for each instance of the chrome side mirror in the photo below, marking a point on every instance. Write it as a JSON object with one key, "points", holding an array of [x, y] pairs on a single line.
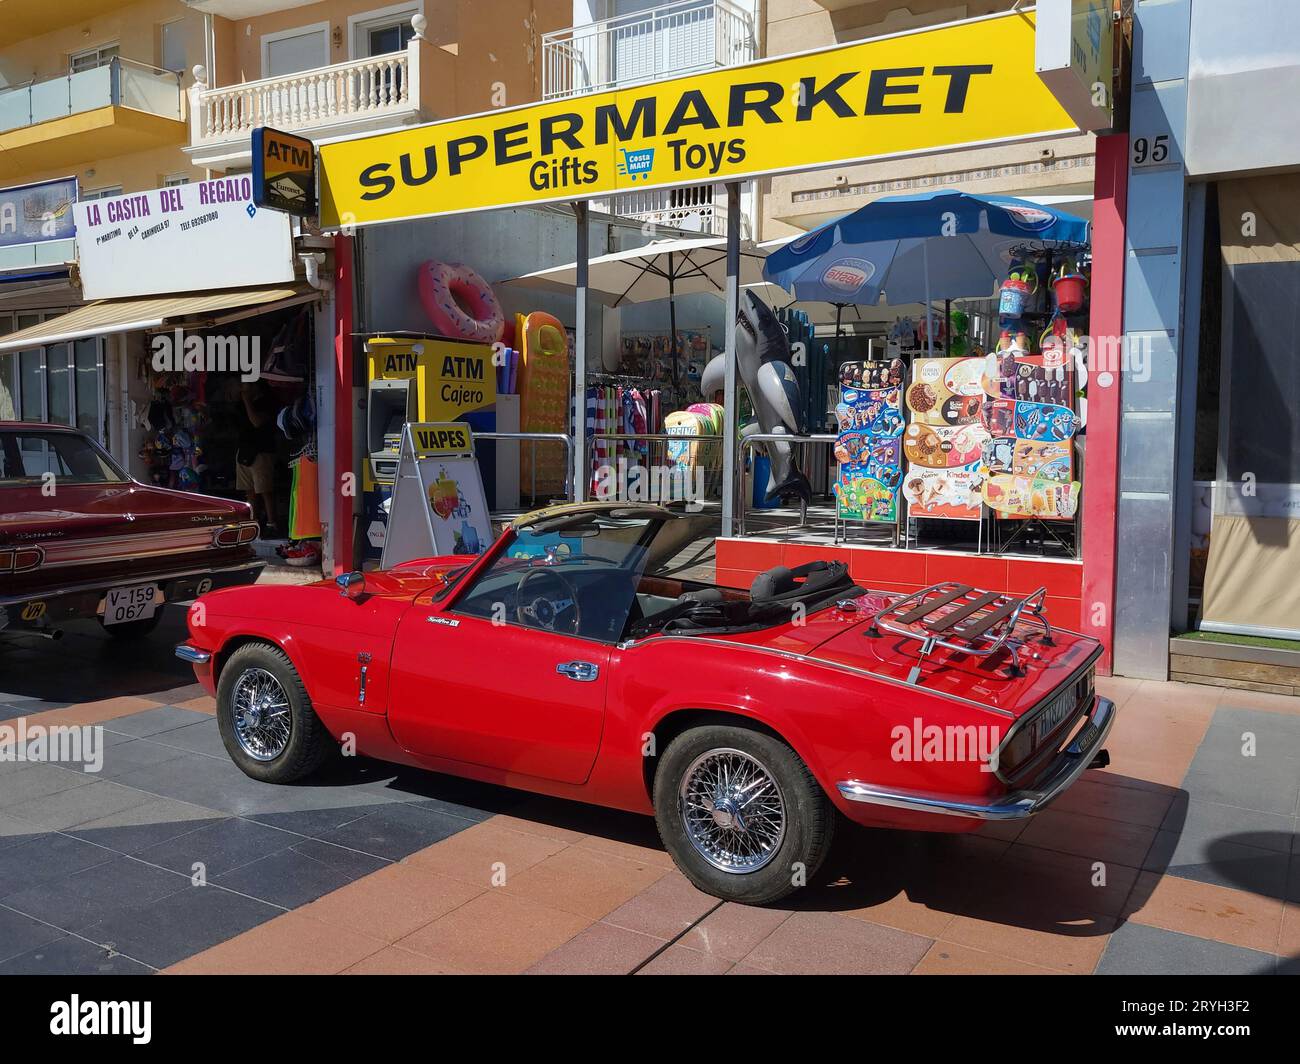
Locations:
{"points": [[351, 585]]}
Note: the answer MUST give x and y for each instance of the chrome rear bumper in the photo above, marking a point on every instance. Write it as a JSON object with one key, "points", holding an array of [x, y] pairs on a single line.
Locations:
{"points": [[193, 655], [1017, 805]]}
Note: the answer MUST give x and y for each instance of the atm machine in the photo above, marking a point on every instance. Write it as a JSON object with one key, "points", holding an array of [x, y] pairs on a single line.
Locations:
{"points": [[415, 378]]}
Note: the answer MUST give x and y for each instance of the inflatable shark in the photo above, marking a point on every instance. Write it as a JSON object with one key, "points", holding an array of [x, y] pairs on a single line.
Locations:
{"points": [[763, 365]]}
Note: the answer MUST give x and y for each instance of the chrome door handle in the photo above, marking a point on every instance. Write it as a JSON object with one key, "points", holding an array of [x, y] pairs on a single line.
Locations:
{"points": [[582, 671]]}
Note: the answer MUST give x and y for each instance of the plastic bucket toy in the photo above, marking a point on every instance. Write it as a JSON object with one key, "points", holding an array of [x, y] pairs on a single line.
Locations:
{"points": [[1069, 289], [1013, 297]]}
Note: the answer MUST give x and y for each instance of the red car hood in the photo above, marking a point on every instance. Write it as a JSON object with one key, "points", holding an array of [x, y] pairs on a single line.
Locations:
{"points": [[843, 638], [84, 510]]}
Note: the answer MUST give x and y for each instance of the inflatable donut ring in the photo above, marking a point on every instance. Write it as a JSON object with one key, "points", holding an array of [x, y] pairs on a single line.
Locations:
{"points": [[460, 303]]}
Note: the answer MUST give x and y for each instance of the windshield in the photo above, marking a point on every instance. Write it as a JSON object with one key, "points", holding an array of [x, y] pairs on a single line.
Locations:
{"points": [[28, 455], [574, 574]]}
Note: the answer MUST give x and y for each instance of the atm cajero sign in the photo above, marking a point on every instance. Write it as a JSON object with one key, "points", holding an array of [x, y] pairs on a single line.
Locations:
{"points": [[964, 84]]}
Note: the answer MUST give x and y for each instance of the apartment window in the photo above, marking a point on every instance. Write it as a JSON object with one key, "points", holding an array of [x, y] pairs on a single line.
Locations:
{"points": [[172, 180], [94, 57], [382, 31], [171, 46], [100, 193], [291, 51]]}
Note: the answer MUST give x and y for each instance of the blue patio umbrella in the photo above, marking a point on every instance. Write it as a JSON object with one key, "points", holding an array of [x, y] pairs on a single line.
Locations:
{"points": [[903, 248]]}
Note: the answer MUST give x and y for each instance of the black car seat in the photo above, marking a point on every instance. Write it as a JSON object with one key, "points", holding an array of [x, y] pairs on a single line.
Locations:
{"points": [[815, 584]]}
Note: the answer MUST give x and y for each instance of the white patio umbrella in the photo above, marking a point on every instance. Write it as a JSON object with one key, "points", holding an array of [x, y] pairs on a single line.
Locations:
{"points": [[660, 269]]}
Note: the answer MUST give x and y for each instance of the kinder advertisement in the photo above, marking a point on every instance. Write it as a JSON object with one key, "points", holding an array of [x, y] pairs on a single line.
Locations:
{"points": [[869, 445], [944, 444], [949, 493]]}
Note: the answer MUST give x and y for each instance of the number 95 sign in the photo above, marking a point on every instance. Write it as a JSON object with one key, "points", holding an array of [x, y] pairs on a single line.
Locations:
{"points": [[1151, 151]]}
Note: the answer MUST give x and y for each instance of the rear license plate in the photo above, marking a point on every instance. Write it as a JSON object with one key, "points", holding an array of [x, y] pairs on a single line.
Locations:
{"points": [[1085, 737], [137, 603]]}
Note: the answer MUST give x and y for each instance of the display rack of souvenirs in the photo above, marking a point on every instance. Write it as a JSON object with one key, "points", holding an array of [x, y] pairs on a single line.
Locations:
{"points": [[176, 422], [622, 405], [649, 356]]}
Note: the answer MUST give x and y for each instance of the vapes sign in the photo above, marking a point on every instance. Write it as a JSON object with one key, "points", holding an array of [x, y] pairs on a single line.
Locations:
{"points": [[966, 83]]}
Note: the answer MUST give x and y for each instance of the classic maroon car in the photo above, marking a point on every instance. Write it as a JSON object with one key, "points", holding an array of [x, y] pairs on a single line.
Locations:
{"points": [[80, 538], [558, 662]]}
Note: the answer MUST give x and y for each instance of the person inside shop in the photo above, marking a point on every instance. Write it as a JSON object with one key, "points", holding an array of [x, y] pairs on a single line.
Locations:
{"points": [[255, 457]]}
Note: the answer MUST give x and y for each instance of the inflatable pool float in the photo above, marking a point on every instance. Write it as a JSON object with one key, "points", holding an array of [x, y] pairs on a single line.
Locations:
{"points": [[544, 399], [460, 303]]}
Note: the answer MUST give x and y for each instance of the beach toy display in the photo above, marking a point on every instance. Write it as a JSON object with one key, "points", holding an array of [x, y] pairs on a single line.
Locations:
{"points": [[1017, 289], [461, 305], [1070, 288]]}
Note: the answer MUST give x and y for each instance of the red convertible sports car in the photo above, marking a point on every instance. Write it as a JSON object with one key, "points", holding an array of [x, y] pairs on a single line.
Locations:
{"points": [[745, 722]]}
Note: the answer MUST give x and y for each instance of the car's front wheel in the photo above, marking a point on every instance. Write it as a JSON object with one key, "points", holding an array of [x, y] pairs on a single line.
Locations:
{"points": [[266, 719], [741, 813]]}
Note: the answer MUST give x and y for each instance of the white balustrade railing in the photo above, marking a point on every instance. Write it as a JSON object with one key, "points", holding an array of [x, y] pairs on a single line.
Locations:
{"points": [[362, 88], [677, 38]]}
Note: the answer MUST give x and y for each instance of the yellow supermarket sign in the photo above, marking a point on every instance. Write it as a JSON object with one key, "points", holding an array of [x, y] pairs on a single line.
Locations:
{"points": [[964, 84]]}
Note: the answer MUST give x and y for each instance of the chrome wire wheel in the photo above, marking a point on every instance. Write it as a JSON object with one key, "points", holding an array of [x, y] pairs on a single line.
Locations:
{"points": [[732, 810], [260, 714]]}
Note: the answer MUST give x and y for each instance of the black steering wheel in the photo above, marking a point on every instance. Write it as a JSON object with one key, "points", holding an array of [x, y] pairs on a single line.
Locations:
{"points": [[543, 611]]}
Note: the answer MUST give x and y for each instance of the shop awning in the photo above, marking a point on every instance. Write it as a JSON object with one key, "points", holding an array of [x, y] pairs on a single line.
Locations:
{"points": [[152, 312]]}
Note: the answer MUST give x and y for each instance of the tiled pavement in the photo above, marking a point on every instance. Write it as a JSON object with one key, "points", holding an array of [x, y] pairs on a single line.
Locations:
{"points": [[1181, 857]]}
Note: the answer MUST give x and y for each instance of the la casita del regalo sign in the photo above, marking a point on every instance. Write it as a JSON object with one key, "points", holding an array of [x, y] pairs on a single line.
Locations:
{"points": [[186, 238], [155, 205], [964, 84]]}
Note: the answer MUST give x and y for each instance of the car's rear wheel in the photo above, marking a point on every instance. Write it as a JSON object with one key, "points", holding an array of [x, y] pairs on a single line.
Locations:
{"points": [[135, 629], [266, 719], [741, 814]]}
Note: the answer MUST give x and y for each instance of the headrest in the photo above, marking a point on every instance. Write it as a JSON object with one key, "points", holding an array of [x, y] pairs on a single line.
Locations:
{"points": [[781, 584]]}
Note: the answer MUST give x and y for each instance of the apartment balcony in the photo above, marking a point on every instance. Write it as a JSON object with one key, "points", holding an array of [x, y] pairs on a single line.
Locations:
{"points": [[681, 38], [367, 95], [697, 209], [115, 109]]}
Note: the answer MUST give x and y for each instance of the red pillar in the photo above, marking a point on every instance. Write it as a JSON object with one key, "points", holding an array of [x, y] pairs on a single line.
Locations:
{"points": [[343, 329], [1101, 461]]}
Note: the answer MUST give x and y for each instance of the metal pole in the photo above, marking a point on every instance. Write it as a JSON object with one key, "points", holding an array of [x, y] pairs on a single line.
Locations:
{"points": [[929, 324], [672, 315], [580, 474], [730, 404]]}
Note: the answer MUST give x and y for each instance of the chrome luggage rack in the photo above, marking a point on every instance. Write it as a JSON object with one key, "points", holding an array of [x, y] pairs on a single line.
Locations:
{"points": [[960, 618]]}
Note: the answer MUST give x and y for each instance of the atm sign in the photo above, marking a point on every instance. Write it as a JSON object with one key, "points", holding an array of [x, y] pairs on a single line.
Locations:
{"points": [[284, 171]]}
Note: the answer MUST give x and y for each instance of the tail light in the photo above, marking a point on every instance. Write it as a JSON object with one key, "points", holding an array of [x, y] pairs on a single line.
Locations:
{"points": [[1041, 732], [234, 535], [21, 559]]}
